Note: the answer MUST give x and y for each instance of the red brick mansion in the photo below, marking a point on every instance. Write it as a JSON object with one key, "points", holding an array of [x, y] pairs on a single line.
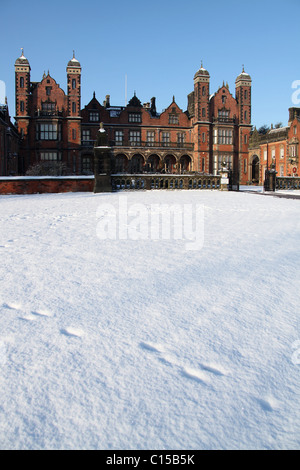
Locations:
{"points": [[214, 129]]}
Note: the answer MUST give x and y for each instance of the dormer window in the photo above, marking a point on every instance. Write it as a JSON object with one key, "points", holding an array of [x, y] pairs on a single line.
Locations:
{"points": [[173, 119], [134, 117], [94, 116]]}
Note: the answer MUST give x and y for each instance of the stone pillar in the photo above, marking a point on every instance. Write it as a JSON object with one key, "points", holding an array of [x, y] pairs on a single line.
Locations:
{"points": [[270, 180], [224, 179], [102, 163]]}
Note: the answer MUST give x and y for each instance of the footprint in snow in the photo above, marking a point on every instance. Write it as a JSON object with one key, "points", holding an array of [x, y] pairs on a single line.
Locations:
{"points": [[199, 375], [216, 370], [70, 331], [8, 244], [157, 348], [151, 347], [196, 375], [42, 313], [12, 306], [269, 404], [28, 317]]}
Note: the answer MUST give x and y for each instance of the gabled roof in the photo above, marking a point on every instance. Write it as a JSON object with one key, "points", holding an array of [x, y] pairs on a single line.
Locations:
{"points": [[135, 102]]}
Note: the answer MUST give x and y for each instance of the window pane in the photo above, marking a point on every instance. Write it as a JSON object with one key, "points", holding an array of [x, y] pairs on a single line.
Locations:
{"points": [[134, 117], [94, 116]]}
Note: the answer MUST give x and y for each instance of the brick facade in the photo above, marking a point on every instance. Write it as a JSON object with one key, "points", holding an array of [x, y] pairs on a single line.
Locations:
{"points": [[278, 148], [48, 120], [9, 144], [214, 129]]}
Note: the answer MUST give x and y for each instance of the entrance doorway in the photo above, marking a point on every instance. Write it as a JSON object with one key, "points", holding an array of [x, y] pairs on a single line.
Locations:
{"points": [[255, 170]]}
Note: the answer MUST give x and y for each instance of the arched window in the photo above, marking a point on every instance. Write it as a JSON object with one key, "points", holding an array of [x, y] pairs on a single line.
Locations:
{"points": [[74, 83], [21, 82], [245, 115], [203, 91], [74, 107]]}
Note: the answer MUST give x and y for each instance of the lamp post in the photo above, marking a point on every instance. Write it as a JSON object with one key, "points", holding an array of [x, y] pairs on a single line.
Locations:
{"points": [[267, 174]]}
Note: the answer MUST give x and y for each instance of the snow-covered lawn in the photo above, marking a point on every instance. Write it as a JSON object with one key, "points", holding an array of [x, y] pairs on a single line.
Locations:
{"points": [[144, 344]]}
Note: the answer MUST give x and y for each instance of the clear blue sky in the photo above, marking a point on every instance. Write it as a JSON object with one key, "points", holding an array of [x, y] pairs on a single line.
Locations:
{"points": [[159, 45]]}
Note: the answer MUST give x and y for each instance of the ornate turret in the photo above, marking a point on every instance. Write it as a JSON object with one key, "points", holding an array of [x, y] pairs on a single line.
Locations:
{"points": [[22, 60], [243, 77], [201, 117], [22, 90], [243, 97], [74, 62], [202, 74]]}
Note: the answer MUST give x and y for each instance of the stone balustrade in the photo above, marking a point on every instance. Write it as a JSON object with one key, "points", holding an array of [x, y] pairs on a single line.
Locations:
{"points": [[161, 181], [287, 182]]}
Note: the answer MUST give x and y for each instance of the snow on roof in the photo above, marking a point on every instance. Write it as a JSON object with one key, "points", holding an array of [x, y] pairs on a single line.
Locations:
{"points": [[279, 129]]}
